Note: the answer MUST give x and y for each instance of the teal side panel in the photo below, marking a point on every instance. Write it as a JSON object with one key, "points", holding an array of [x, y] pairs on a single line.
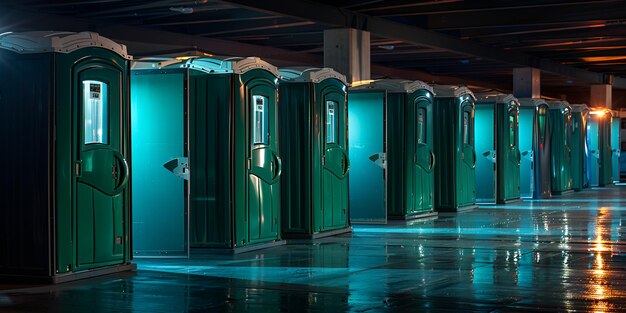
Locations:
{"points": [[295, 147], [526, 131], [157, 129], [615, 147], [397, 173], [210, 203], [366, 150], [593, 145], [485, 153]]}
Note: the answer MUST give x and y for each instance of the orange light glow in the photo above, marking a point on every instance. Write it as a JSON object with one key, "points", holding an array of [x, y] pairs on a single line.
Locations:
{"points": [[604, 59], [362, 82], [599, 113]]}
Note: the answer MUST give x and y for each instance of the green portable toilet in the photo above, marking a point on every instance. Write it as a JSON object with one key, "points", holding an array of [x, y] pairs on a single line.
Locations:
{"points": [[390, 148], [615, 145], [560, 151], [580, 177], [497, 148], [234, 153], [534, 141], [453, 115], [160, 175], [599, 144], [314, 146], [66, 201]]}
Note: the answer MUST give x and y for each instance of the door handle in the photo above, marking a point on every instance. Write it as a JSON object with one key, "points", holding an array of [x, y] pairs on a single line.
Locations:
{"points": [[474, 155], [114, 171], [432, 159], [124, 172], [279, 167]]}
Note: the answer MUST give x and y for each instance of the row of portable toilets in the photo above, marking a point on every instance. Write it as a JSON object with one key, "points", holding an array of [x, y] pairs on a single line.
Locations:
{"points": [[234, 154]]}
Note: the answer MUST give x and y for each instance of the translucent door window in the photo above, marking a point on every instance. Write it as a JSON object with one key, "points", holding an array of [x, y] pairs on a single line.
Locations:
{"points": [[259, 120], [512, 129], [331, 122], [466, 134], [421, 126], [95, 112]]}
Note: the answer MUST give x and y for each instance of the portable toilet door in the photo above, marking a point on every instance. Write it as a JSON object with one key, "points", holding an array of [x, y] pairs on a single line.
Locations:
{"points": [[580, 177], [160, 175], [497, 148], [560, 152], [77, 85], [390, 142], [615, 145], [534, 138], [510, 157], [234, 149], [599, 143], [456, 158], [313, 132]]}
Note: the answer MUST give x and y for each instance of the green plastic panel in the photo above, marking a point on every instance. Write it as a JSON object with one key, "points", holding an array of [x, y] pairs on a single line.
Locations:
{"points": [[561, 151], [157, 129], [509, 156], [367, 157], [455, 154], [593, 143], [234, 159]]}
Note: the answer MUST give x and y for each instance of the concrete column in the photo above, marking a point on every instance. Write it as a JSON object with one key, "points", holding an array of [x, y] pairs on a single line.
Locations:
{"points": [[601, 96], [347, 50], [527, 82]]}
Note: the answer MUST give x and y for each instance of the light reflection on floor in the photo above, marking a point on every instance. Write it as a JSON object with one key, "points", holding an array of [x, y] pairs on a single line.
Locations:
{"points": [[561, 255]]}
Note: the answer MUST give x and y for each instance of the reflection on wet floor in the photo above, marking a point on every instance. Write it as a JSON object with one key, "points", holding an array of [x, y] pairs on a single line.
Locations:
{"points": [[562, 255]]}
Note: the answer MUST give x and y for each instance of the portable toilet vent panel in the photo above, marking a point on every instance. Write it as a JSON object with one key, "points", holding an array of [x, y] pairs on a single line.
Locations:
{"points": [[534, 141], [453, 114], [497, 148], [66, 198], [391, 151], [234, 160], [314, 146], [560, 153], [160, 175], [599, 144], [580, 176], [615, 145]]}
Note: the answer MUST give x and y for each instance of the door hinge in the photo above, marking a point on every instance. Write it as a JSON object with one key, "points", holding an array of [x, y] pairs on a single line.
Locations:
{"points": [[323, 160], [249, 164]]}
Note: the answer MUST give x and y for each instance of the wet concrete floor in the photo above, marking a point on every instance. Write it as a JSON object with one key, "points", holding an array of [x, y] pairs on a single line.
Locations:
{"points": [[566, 254]]}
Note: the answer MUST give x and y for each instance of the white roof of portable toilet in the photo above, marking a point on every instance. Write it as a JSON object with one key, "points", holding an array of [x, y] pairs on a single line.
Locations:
{"points": [[59, 42], [313, 75], [229, 65], [451, 91], [395, 86], [497, 98]]}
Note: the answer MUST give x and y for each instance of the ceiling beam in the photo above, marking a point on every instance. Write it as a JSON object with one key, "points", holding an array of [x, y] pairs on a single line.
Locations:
{"points": [[145, 41], [337, 17]]}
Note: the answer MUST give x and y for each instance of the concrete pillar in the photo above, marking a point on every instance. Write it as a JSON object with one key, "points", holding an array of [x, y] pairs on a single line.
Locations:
{"points": [[347, 50], [601, 96], [527, 82]]}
